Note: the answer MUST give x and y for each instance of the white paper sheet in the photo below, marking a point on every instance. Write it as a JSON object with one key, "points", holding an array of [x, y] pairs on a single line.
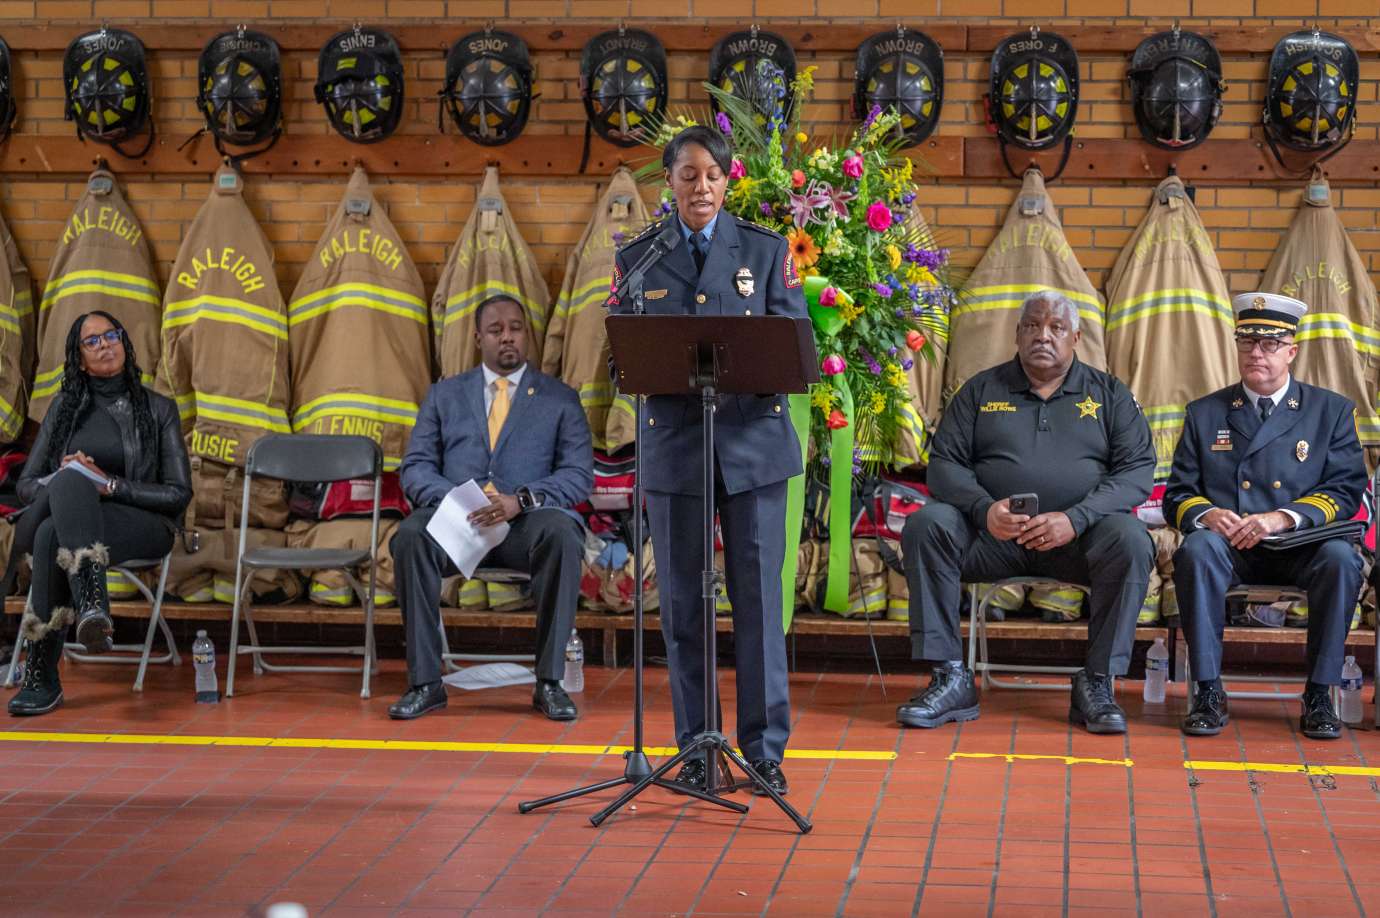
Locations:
{"points": [[76, 467], [465, 543], [489, 675]]}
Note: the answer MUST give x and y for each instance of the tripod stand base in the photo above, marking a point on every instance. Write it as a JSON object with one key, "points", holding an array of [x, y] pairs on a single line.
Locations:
{"points": [[635, 770]]}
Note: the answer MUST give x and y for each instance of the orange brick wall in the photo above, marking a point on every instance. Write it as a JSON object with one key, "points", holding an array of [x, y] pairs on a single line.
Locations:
{"points": [[1245, 219]]}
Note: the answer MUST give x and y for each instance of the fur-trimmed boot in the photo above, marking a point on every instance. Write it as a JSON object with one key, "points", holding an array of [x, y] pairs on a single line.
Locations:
{"points": [[41, 691], [85, 569]]}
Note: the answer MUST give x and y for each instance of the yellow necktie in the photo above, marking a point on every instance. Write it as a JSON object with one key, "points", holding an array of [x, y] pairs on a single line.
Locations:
{"points": [[498, 411]]}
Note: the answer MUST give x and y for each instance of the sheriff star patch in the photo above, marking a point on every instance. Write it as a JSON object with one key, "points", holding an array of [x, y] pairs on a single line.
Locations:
{"points": [[1087, 408], [789, 273]]}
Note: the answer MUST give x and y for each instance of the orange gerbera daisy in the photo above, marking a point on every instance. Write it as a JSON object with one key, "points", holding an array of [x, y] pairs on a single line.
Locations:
{"points": [[804, 252]]}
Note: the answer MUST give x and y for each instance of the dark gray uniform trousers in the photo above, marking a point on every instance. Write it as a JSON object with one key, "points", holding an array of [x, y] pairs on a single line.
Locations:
{"points": [[754, 530], [1206, 566], [942, 549], [547, 544]]}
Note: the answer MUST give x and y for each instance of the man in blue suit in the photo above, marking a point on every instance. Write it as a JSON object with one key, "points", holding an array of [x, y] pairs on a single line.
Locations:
{"points": [[720, 266], [1266, 455], [523, 437]]}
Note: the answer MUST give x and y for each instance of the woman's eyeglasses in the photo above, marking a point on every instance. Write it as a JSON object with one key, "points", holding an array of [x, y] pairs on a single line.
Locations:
{"points": [[91, 342]]}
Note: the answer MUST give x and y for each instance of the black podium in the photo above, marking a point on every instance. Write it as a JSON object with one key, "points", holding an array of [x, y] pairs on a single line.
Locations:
{"points": [[709, 356]]}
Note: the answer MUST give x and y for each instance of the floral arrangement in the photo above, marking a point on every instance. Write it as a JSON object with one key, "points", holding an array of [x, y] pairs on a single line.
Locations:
{"points": [[873, 278]]}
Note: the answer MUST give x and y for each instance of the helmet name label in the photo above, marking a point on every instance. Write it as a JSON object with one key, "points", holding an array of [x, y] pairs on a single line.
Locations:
{"points": [[1328, 49], [227, 259], [763, 46], [916, 46], [362, 241], [487, 45], [356, 40], [107, 219]]}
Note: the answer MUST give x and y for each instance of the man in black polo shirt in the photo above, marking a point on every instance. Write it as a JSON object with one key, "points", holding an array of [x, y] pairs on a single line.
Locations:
{"points": [[1046, 424]]}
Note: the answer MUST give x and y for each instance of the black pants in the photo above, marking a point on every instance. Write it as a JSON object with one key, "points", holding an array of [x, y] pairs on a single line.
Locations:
{"points": [[1206, 566], [942, 549], [547, 544], [75, 517]]}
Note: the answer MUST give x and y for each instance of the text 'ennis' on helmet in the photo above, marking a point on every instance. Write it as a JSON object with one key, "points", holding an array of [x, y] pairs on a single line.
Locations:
{"points": [[8, 109], [240, 90], [359, 81], [623, 84], [106, 83], [901, 70], [1310, 104], [488, 88], [1176, 88], [758, 68]]}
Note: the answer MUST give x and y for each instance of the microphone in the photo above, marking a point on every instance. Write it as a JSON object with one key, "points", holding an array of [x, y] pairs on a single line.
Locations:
{"points": [[662, 245]]}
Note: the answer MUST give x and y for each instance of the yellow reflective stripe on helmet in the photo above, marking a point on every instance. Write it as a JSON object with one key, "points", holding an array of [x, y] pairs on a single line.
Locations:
{"points": [[1365, 339], [1011, 296], [369, 296], [1187, 504], [50, 381], [241, 411], [1165, 302], [226, 309], [465, 302], [106, 283]]}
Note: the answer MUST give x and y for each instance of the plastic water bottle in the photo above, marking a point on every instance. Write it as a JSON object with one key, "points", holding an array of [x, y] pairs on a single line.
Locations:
{"points": [[1156, 671], [1349, 710], [574, 680], [204, 659]]}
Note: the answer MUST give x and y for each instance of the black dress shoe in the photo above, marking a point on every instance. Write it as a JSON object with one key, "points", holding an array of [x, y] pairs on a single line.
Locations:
{"points": [[1319, 719], [951, 696], [551, 700], [1209, 714], [771, 773], [418, 700], [1092, 705], [691, 774]]}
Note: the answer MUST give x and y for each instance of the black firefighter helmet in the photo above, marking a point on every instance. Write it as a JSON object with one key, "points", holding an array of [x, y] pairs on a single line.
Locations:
{"points": [[8, 109], [757, 67], [488, 88], [903, 70], [105, 79], [1034, 93], [359, 81], [623, 84], [1176, 88], [240, 89], [1310, 103]]}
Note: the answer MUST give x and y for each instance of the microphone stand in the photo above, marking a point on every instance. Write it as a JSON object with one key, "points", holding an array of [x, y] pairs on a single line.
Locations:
{"points": [[636, 768]]}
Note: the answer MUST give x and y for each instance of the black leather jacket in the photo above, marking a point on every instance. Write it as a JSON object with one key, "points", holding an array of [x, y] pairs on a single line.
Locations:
{"points": [[161, 482]]}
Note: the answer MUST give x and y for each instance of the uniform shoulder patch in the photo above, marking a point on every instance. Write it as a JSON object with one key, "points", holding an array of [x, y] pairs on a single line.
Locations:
{"points": [[614, 281], [788, 271]]}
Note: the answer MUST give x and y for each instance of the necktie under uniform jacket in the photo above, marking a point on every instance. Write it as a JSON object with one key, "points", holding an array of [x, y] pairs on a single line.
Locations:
{"points": [[489, 258], [1084, 451], [543, 445], [747, 272], [16, 337], [1029, 254], [1339, 336], [102, 262], [1305, 458], [1169, 317]]}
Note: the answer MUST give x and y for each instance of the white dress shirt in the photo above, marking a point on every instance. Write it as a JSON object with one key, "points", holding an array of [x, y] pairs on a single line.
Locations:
{"points": [[514, 380]]}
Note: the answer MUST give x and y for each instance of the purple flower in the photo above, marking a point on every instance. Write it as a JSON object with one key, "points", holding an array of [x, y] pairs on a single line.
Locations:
{"points": [[891, 352], [907, 198], [907, 363], [913, 290], [872, 116], [900, 313], [825, 461], [917, 311], [766, 209], [897, 216], [618, 237], [883, 291], [724, 124], [926, 258], [874, 368]]}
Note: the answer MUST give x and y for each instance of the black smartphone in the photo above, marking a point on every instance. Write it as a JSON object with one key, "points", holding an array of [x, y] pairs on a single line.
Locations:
{"points": [[1025, 504]]}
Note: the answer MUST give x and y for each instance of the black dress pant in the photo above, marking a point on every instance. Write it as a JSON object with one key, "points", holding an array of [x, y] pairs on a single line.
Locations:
{"points": [[942, 549], [73, 515], [1206, 566], [548, 544]]}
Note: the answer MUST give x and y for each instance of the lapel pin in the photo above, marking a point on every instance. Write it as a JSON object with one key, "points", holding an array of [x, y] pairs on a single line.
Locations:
{"points": [[1293, 403], [531, 390], [1301, 450], [1237, 403]]}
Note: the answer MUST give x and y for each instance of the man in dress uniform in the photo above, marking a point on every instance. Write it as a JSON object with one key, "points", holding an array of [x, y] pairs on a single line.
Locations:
{"points": [[1266, 455], [720, 265], [1044, 424]]}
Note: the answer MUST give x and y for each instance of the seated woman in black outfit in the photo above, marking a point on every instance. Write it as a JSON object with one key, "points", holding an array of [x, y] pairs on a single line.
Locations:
{"points": [[130, 439]]}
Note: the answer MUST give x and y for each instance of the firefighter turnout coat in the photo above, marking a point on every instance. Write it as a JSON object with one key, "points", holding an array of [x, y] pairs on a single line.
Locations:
{"points": [[16, 338]]}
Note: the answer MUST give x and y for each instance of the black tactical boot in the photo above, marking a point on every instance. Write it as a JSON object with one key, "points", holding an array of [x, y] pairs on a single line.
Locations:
{"points": [[41, 691], [1092, 705], [85, 569], [950, 696]]}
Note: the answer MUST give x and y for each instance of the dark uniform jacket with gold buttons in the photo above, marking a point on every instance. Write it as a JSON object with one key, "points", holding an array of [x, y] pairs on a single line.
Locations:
{"points": [[747, 272], [1305, 457]]}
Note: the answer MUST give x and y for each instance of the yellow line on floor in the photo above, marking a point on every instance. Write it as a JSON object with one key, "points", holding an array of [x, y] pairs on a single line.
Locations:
{"points": [[289, 742], [1023, 757], [1286, 768]]}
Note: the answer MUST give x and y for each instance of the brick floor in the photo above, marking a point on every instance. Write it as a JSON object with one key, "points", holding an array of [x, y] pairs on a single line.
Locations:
{"points": [[141, 828]]}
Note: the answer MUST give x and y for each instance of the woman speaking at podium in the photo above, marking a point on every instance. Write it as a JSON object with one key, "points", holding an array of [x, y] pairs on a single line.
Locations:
{"points": [[720, 266]]}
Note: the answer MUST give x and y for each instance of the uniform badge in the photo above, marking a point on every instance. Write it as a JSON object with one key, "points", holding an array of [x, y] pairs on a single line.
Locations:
{"points": [[1087, 408], [1223, 441], [743, 281], [655, 294], [1258, 302], [789, 273], [1237, 403], [1301, 450], [1293, 403]]}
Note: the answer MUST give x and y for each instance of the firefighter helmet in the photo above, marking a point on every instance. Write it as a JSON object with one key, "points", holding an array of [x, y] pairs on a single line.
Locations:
{"points": [[359, 81], [1310, 104], [756, 67], [1176, 89], [623, 84], [488, 88], [8, 110], [106, 83], [903, 70], [240, 89]]}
